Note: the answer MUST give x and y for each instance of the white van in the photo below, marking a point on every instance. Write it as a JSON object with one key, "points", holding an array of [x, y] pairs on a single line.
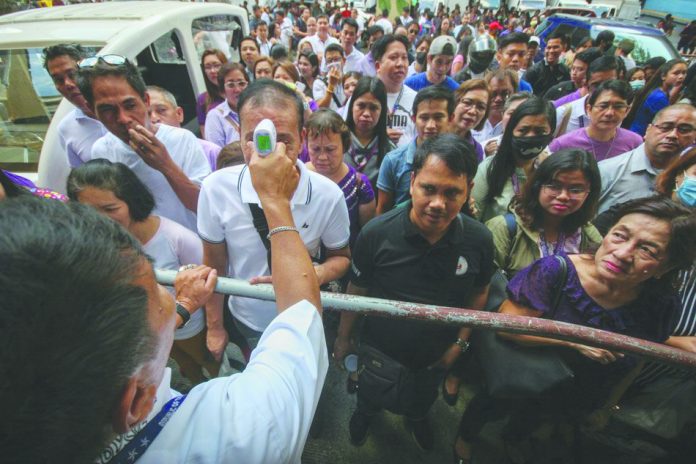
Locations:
{"points": [[165, 39], [627, 9]]}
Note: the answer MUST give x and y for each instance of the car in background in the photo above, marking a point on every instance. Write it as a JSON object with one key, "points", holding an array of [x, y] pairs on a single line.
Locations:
{"points": [[165, 40], [649, 41], [627, 9], [567, 10]]}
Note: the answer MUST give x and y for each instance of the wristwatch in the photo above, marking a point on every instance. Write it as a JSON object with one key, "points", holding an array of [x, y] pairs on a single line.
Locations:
{"points": [[462, 344], [185, 315]]}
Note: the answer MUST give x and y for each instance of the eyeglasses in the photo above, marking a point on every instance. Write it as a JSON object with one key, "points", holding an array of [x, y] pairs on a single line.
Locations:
{"points": [[112, 60], [682, 129], [212, 67], [236, 84], [616, 106], [575, 192], [468, 104]]}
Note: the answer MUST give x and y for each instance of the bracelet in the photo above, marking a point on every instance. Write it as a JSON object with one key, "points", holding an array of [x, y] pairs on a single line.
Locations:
{"points": [[330, 90], [277, 230]]}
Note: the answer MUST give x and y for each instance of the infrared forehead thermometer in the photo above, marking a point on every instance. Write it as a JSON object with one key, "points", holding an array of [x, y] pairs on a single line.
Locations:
{"points": [[265, 137]]}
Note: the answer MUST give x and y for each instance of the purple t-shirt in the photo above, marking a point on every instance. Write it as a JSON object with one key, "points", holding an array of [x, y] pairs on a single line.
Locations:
{"points": [[201, 111], [624, 141], [571, 97], [480, 155], [356, 194]]}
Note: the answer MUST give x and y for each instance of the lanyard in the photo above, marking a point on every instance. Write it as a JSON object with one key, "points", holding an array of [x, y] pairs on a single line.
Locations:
{"points": [[144, 438], [361, 156], [560, 243], [395, 107], [515, 183]]}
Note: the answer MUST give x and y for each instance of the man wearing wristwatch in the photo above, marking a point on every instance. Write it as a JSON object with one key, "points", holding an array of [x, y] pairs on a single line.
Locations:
{"points": [[424, 251], [234, 237]]}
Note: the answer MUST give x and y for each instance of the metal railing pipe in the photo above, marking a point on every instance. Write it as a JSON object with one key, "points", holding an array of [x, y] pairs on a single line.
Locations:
{"points": [[470, 318]]}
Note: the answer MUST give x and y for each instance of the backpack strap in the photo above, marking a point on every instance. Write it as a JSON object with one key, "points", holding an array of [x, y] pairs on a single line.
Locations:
{"points": [[560, 283], [261, 226]]}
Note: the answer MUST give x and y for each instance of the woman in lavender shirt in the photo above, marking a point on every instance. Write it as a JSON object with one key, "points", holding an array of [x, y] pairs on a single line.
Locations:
{"points": [[625, 287]]}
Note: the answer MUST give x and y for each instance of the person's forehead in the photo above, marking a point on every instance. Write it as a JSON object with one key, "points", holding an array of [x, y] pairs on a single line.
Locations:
{"points": [[395, 47], [603, 75], [477, 95], [432, 106], [677, 115], [609, 95], [442, 57], [500, 82], [111, 85], [331, 54], [284, 120], [62, 61], [514, 47], [157, 99], [436, 172]]}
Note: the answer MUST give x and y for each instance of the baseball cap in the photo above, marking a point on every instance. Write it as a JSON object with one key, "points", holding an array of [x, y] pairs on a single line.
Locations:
{"points": [[535, 39], [443, 45]]}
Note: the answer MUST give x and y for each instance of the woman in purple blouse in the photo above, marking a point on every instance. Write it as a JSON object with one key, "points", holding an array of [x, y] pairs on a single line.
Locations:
{"points": [[625, 287], [211, 62], [328, 137]]}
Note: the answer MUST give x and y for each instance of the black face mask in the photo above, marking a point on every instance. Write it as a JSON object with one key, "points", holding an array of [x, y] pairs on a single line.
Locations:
{"points": [[529, 147], [421, 57]]}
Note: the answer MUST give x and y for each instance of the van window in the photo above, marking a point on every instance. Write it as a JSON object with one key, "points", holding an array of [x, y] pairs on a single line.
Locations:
{"points": [[646, 46], [28, 101], [220, 31]]}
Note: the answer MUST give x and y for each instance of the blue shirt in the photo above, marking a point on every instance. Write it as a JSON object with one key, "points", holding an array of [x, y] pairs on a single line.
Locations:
{"points": [[420, 81], [395, 172], [655, 102], [524, 86]]}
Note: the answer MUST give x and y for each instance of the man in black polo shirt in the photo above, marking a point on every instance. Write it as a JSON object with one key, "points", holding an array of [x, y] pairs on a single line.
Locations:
{"points": [[550, 71], [422, 252]]}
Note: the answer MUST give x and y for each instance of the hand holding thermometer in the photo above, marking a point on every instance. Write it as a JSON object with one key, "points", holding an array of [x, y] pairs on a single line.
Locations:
{"points": [[265, 138]]}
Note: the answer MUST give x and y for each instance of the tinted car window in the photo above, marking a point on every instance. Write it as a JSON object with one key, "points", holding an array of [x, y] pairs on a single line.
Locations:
{"points": [[646, 46]]}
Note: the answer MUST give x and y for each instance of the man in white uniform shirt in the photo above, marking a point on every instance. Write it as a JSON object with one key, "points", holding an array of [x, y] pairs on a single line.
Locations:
{"points": [[321, 39], [228, 219], [286, 28], [353, 56], [385, 23], [80, 128], [168, 160], [106, 379], [391, 62]]}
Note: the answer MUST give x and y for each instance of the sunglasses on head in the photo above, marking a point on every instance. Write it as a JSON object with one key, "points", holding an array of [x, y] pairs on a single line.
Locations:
{"points": [[112, 60]]}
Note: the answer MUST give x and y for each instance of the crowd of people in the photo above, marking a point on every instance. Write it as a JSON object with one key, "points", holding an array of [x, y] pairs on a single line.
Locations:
{"points": [[440, 158]]}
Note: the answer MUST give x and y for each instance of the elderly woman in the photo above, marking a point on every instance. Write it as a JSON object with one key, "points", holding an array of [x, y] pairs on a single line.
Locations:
{"points": [[473, 98], [626, 287], [114, 191]]}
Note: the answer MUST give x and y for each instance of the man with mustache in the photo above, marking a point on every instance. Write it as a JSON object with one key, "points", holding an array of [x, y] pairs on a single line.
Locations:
{"points": [[632, 174], [423, 252], [80, 128]]}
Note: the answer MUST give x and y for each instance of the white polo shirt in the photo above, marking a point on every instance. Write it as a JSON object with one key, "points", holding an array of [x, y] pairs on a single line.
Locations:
{"points": [[185, 151], [77, 133], [319, 45], [261, 415], [353, 60], [318, 209]]}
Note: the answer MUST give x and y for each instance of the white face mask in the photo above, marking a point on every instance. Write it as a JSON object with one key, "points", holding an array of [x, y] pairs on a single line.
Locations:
{"points": [[637, 85]]}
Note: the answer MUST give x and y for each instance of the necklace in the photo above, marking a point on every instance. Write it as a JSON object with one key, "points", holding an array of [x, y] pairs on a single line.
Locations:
{"points": [[606, 153]]}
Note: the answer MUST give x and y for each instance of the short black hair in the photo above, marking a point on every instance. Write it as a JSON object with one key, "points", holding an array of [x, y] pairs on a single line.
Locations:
{"points": [[334, 47], [74, 51], [380, 47], [557, 34], [278, 52], [260, 22], [127, 70], [619, 87], [604, 36], [512, 38], [267, 92], [434, 92], [602, 64], [116, 178], [589, 55], [351, 23], [73, 325], [374, 29], [458, 154]]}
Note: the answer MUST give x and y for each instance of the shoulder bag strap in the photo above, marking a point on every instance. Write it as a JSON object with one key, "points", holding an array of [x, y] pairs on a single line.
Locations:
{"points": [[261, 226]]}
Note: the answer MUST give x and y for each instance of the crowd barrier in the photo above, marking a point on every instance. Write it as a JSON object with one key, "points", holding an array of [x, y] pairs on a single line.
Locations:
{"points": [[466, 317]]}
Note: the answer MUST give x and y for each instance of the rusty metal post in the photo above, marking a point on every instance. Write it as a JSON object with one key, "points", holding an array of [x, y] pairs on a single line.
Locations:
{"points": [[466, 317]]}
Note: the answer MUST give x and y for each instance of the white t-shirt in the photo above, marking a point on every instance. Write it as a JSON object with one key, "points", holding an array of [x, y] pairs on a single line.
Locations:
{"points": [[385, 24], [172, 246], [77, 133], [318, 45], [261, 415], [286, 31], [318, 209], [400, 109], [185, 151]]}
